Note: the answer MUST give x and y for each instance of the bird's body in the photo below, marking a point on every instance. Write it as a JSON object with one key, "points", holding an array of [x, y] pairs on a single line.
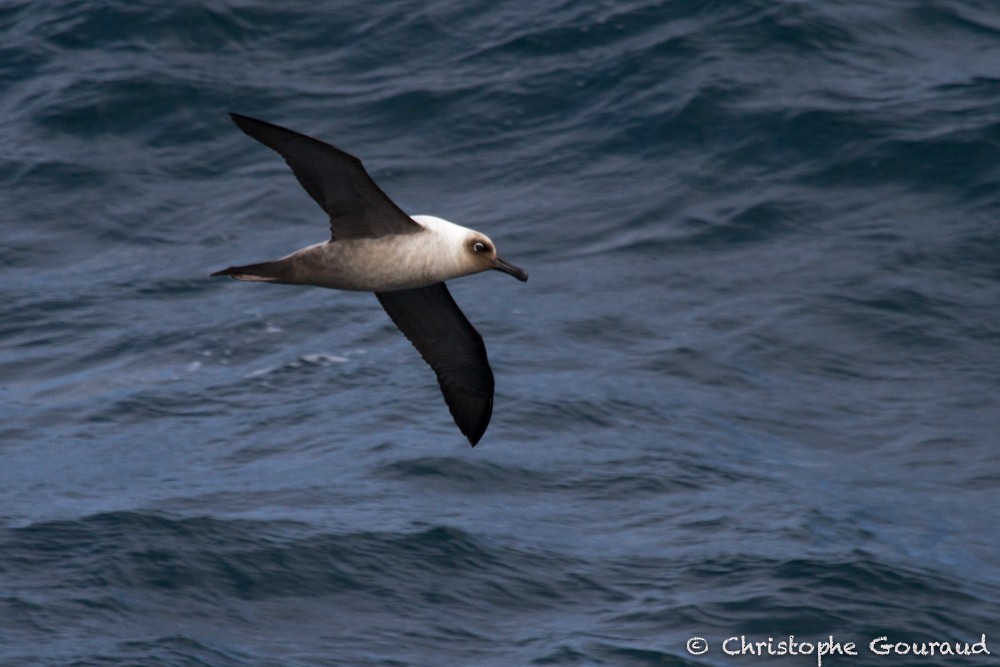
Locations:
{"points": [[375, 247], [429, 255]]}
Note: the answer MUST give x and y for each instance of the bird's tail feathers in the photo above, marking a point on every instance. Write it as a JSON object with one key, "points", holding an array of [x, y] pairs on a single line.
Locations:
{"points": [[266, 272]]}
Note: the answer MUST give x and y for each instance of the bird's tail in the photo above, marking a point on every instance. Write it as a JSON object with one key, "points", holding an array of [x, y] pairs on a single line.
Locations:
{"points": [[266, 272]]}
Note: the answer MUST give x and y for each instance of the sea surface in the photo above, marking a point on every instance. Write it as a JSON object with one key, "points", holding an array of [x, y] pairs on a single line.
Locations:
{"points": [[751, 390]]}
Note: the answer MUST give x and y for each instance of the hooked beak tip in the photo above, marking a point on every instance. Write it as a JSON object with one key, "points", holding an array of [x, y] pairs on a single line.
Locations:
{"points": [[502, 265]]}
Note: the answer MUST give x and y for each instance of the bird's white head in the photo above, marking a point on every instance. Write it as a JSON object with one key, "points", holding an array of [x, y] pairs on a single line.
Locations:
{"points": [[473, 251]]}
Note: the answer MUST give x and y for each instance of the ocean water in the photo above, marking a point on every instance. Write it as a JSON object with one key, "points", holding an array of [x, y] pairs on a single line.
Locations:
{"points": [[750, 391]]}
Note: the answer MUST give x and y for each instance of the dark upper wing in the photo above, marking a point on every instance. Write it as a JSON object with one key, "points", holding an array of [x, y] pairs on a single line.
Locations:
{"points": [[429, 317], [336, 180]]}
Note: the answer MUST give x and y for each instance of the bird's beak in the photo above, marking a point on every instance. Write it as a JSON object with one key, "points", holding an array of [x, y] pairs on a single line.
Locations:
{"points": [[502, 265]]}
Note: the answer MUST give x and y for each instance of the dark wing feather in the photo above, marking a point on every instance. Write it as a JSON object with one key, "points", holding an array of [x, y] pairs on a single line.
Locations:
{"points": [[433, 322], [336, 180]]}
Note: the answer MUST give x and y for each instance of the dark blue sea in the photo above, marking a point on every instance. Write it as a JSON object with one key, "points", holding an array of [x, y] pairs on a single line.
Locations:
{"points": [[750, 396]]}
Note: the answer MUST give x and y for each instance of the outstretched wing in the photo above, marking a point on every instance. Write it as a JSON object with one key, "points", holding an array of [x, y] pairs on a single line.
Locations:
{"points": [[433, 322], [336, 180]]}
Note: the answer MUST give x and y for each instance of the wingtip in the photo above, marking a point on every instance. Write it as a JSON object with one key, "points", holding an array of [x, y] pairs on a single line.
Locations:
{"points": [[253, 126], [473, 423], [241, 120]]}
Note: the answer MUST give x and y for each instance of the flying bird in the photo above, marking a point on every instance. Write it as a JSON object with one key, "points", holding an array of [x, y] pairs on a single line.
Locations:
{"points": [[375, 247]]}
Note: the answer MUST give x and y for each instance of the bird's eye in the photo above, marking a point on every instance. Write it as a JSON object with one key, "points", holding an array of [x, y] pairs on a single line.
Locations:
{"points": [[478, 246]]}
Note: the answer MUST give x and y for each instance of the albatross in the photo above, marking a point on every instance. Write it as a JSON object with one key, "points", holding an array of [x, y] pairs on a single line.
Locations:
{"points": [[375, 247]]}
